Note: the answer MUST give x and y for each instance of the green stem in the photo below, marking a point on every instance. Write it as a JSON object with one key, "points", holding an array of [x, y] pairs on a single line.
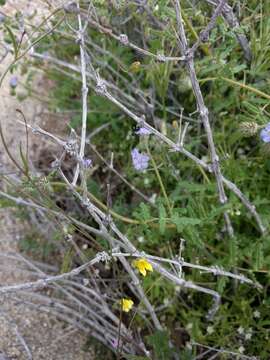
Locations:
{"points": [[160, 181], [239, 84], [194, 34], [27, 50]]}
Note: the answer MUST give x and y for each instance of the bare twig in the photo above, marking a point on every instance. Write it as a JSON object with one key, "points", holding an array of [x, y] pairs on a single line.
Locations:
{"points": [[81, 40], [223, 351], [42, 283]]}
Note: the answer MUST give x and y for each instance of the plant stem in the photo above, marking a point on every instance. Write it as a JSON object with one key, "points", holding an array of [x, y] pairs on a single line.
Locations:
{"points": [[160, 181]]}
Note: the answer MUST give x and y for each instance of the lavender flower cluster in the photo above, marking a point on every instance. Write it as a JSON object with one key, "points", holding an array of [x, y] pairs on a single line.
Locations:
{"points": [[139, 160]]}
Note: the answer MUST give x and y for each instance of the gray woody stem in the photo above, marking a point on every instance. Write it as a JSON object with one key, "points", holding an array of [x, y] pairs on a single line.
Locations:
{"points": [[202, 109], [205, 33], [40, 284], [84, 93]]}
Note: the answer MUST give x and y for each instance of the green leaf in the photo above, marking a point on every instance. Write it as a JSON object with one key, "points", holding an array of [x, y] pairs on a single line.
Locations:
{"points": [[24, 160], [13, 40], [233, 247], [145, 211], [182, 221], [216, 211], [258, 256], [239, 68], [162, 219], [67, 261], [221, 284]]}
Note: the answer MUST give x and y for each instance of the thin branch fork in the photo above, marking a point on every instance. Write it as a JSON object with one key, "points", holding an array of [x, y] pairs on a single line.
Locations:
{"points": [[123, 39]]}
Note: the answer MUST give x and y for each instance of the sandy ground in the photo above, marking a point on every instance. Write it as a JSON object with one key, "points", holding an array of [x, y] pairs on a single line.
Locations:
{"points": [[46, 337]]}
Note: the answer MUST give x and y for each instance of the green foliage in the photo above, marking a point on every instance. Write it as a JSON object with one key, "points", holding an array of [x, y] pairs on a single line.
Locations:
{"points": [[194, 213], [182, 222], [160, 343]]}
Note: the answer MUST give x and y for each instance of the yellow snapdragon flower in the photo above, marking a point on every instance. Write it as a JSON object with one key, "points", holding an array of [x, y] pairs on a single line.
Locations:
{"points": [[143, 266]]}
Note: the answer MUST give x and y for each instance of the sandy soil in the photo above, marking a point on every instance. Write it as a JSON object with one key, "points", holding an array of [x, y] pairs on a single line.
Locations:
{"points": [[46, 337]]}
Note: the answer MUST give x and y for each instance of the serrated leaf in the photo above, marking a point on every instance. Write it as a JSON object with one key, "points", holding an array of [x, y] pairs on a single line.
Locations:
{"points": [[143, 213], [182, 221], [218, 211]]}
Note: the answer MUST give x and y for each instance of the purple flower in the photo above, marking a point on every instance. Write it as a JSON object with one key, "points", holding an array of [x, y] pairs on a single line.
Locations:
{"points": [[139, 160], [13, 82], [87, 163], [143, 131], [265, 134]]}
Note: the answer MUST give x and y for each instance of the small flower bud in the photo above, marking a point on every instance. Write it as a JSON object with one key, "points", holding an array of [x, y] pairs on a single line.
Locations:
{"points": [[135, 67], [87, 163], [123, 39], [13, 82]]}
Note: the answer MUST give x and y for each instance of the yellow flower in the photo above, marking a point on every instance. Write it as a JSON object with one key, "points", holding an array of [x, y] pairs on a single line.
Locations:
{"points": [[126, 304], [142, 265], [135, 66]]}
